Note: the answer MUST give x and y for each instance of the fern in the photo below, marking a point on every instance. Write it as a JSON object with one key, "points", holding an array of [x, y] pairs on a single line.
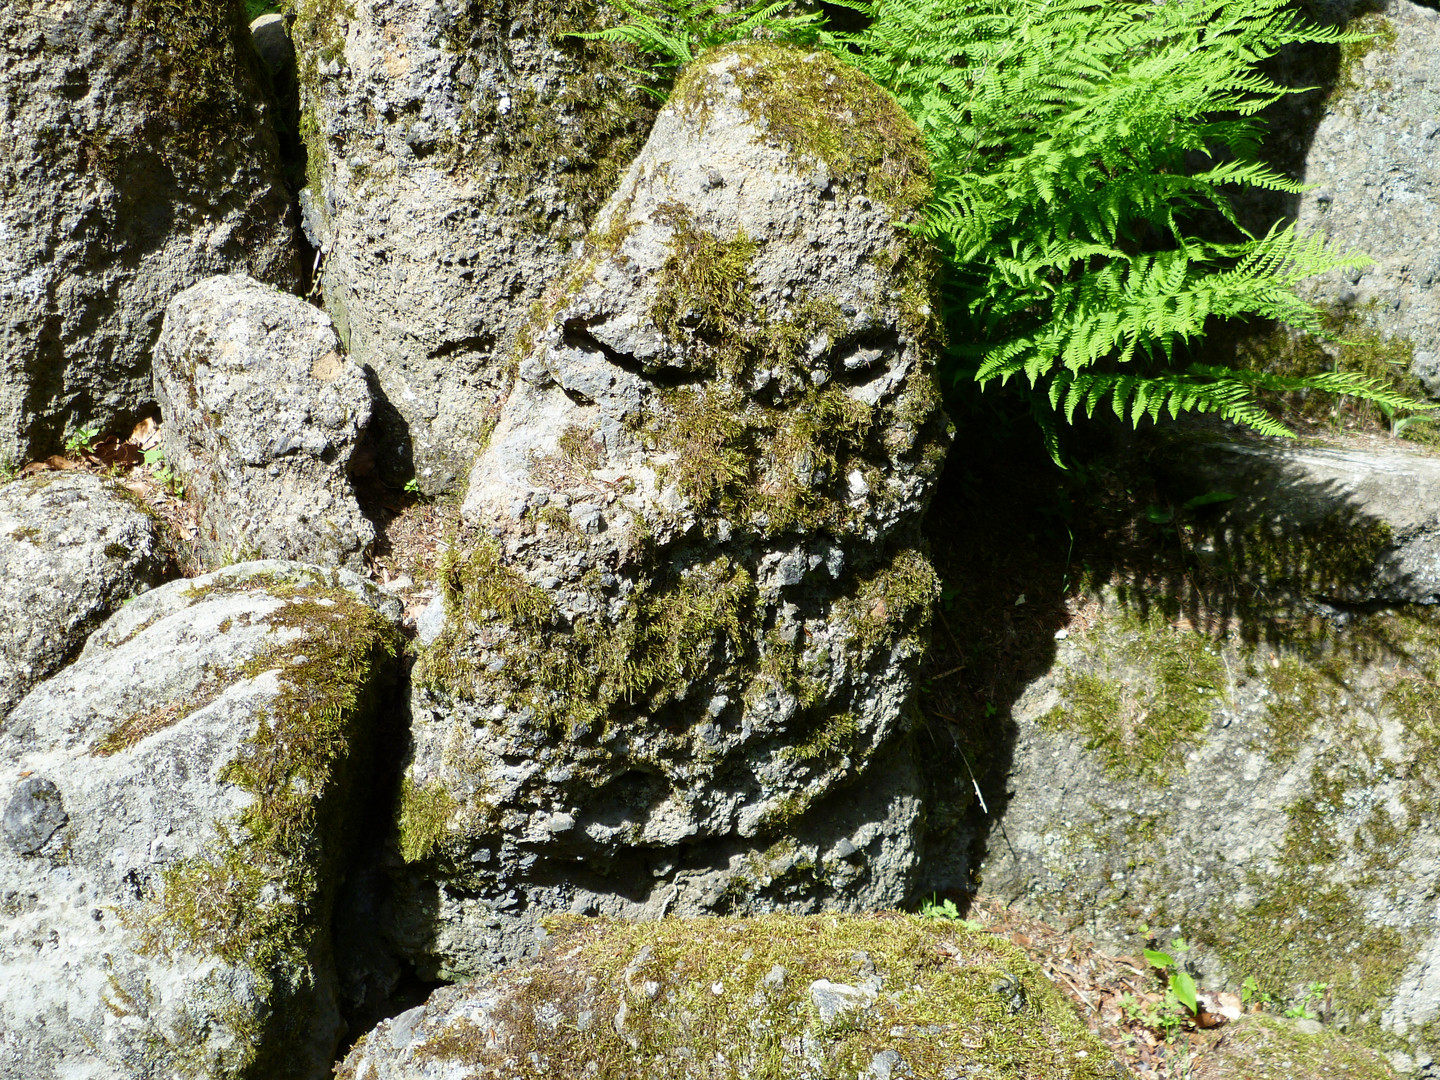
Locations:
{"points": [[677, 31], [1076, 144]]}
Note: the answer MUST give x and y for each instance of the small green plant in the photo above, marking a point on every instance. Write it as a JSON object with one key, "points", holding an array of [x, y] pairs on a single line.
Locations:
{"points": [[946, 911], [82, 440], [1252, 995], [1180, 983], [162, 473], [1316, 993]]}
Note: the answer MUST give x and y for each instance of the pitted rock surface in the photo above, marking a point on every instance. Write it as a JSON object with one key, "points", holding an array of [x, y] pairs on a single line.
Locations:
{"points": [[262, 413], [147, 927], [459, 148], [1374, 163], [1271, 802], [138, 158], [686, 604], [687, 999], [34, 814], [73, 548]]}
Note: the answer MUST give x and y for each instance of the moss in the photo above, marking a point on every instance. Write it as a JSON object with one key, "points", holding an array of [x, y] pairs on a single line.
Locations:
{"points": [[258, 897], [1305, 930], [1349, 342], [425, 814], [573, 677], [824, 111], [579, 128], [130, 730], [896, 599], [194, 88], [1302, 696], [1142, 721], [1269, 1048], [704, 283], [1379, 33], [689, 998]]}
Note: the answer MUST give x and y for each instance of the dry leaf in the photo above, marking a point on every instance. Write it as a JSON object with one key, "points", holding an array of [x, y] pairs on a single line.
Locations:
{"points": [[146, 433]]}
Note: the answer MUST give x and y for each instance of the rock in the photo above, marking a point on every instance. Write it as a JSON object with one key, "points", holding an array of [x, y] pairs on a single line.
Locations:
{"points": [[1266, 793], [176, 811], [262, 412], [73, 548], [276, 51], [138, 158], [668, 616], [698, 1004], [34, 814], [1353, 522], [1374, 163], [457, 149], [1259, 1047]]}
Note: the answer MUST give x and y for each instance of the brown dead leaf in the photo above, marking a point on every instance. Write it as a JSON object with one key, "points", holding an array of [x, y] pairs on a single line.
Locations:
{"points": [[146, 433], [111, 453]]}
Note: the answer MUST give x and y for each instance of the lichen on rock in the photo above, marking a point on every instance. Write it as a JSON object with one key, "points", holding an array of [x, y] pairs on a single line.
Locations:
{"points": [[686, 594]]}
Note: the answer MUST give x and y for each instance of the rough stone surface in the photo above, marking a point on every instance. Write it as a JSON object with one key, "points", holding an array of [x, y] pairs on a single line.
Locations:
{"points": [[137, 159], [1258, 1047], [686, 999], [175, 804], [73, 548], [1353, 522], [457, 149], [1374, 161], [686, 602], [262, 412], [1274, 804]]}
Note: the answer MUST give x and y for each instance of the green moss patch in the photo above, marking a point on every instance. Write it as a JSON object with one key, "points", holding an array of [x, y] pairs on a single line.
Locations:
{"points": [[729, 997], [1270, 1048], [260, 897], [1144, 698], [580, 126], [826, 112]]}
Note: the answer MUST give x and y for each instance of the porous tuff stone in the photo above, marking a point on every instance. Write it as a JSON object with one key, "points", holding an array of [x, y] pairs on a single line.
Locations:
{"points": [[138, 158], [686, 605], [1272, 804], [262, 412], [149, 923], [457, 149], [73, 548], [686, 999], [1374, 161]]}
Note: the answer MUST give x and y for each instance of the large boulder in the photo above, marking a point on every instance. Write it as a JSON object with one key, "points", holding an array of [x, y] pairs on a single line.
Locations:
{"points": [[177, 804], [1373, 160], [877, 997], [138, 158], [262, 413], [73, 548], [1271, 801], [457, 148], [686, 601]]}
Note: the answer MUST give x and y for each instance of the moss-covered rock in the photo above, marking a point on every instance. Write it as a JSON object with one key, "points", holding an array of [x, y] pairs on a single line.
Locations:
{"points": [[456, 151], [772, 997], [179, 804], [686, 596], [1274, 804]]}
